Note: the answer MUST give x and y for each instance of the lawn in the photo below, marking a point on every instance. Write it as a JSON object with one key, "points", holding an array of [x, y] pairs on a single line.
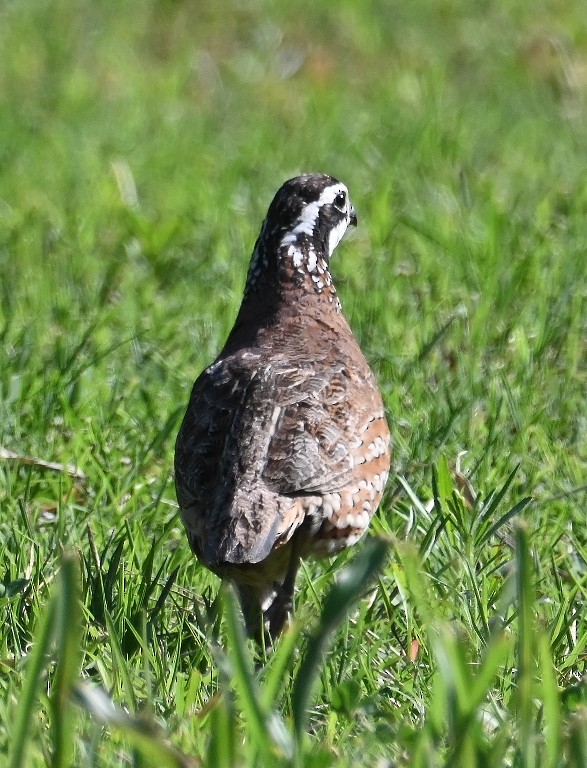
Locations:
{"points": [[141, 144]]}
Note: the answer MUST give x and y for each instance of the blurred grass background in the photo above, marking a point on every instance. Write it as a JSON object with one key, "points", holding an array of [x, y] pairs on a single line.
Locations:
{"points": [[140, 146]]}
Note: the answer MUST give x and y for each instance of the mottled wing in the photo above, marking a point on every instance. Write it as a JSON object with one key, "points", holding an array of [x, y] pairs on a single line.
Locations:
{"points": [[221, 450], [200, 445], [324, 415], [255, 437]]}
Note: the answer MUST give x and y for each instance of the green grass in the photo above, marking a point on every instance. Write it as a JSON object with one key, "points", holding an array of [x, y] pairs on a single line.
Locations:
{"points": [[141, 144]]}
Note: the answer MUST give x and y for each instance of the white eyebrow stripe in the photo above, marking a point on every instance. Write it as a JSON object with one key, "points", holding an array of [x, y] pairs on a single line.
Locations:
{"points": [[307, 219], [329, 193]]}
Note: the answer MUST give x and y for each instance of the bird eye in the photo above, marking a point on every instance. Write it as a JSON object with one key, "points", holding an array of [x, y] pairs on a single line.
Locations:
{"points": [[340, 201]]}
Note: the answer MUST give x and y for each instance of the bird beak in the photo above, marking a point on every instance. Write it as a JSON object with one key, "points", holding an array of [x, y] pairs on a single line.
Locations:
{"points": [[352, 217]]}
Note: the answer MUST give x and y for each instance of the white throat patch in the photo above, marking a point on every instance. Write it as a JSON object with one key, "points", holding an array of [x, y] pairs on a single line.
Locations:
{"points": [[335, 236]]}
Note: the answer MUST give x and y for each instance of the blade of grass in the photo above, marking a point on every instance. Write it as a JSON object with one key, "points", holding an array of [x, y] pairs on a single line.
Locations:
{"points": [[68, 633], [119, 656], [223, 734], [143, 735], [278, 666], [551, 711], [526, 647], [515, 510], [577, 739], [266, 727], [36, 663], [345, 592]]}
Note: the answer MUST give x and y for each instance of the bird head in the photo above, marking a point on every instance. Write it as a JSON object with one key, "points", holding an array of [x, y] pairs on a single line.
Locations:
{"points": [[305, 222]]}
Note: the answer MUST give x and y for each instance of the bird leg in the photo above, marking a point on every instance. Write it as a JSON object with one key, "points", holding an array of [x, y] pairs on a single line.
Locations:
{"points": [[278, 613]]}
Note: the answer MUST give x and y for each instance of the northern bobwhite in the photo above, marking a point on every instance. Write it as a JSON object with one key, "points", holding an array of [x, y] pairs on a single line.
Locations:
{"points": [[284, 450]]}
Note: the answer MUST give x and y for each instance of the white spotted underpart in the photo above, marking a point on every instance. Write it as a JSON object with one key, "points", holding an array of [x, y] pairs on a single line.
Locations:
{"points": [[297, 257]]}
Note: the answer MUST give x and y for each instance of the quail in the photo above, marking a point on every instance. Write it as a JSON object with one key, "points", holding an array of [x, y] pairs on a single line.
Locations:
{"points": [[284, 449]]}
